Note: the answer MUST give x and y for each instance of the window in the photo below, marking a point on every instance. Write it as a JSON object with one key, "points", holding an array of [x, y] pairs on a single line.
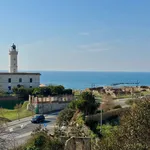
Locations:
{"points": [[30, 86], [9, 80], [9, 88], [14, 64], [31, 80], [20, 79]]}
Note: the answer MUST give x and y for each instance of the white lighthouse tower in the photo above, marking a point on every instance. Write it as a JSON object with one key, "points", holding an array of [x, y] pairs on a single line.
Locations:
{"points": [[13, 53]]}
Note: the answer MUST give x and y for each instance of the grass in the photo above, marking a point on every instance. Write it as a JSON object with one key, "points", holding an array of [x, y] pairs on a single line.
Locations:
{"points": [[123, 96], [77, 92], [12, 114], [145, 93]]}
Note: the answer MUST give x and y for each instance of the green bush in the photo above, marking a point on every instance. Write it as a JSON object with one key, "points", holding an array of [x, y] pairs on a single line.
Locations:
{"points": [[65, 116], [55, 144], [39, 141]]}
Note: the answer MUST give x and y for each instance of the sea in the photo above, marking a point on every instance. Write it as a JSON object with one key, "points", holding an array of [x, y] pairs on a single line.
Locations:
{"points": [[81, 79]]}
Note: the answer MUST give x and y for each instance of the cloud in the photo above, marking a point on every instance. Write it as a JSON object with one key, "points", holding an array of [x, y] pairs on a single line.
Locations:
{"points": [[84, 33], [94, 47]]}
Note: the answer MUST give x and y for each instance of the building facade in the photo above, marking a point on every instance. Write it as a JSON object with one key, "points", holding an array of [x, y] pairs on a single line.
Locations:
{"points": [[13, 78]]}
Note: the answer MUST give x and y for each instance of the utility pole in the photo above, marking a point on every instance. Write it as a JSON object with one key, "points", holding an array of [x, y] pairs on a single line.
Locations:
{"points": [[101, 115]]}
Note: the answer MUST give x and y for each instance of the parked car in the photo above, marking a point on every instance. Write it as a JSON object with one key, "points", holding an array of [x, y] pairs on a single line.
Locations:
{"points": [[38, 119]]}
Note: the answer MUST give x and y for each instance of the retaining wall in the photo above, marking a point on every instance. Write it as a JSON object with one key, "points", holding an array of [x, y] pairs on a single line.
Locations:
{"points": [[43, 105], [43, 108]]}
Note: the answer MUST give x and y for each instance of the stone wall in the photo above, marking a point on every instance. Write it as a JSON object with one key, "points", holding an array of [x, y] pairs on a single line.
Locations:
{"points": [[43, 108], [106, 115], [43, 105]]}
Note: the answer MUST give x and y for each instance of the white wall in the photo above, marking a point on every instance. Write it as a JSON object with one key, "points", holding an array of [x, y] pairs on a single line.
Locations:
{"points": [[15, 80]]}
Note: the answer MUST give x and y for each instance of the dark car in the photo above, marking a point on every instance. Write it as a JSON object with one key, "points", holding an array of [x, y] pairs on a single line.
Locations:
{"points": [[38, 119]]}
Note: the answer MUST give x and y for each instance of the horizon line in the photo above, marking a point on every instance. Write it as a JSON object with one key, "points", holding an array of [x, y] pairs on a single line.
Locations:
{"points": [[80, 71]]}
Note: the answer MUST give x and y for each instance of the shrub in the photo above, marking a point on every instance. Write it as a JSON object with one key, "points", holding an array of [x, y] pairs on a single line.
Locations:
{"points": [[65, 116], [55, 144], [131, 101], [40, 140]]}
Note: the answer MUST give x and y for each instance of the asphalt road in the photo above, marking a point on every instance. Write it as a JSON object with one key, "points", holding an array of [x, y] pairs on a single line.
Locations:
{"points": [[18, 132], [122, 102]]}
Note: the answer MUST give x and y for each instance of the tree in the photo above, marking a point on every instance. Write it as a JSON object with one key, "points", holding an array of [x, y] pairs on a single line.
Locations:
{"points": [[21, 92], [134, 130], [44, 91], [87, 104], [57, 90], [50, 90], [67, 91]]}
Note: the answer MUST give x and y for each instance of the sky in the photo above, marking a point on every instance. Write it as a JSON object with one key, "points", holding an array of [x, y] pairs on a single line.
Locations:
{"points": [[76, 35]]}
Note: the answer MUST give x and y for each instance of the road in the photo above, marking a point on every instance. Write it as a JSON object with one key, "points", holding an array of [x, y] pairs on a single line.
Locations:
{"points": [[20, 131], [121, 102]]}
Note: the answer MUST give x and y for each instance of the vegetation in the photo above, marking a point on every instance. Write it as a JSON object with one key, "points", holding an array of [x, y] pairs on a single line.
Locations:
{"points": [[131, 101], [108, 103], [123, 128], [143, 93], [73, 117], [65, 116], [86, 103], [2, 93], [133, 131], [20, 111], [121, 96], [41, 140], [41, 91], [22, 92]]}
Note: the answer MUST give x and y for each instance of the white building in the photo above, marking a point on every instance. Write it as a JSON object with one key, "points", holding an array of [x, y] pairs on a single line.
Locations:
{"points": [[13, 78]]}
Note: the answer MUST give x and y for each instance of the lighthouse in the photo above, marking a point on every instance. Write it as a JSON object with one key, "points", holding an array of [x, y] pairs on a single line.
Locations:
{"points": [[13, 62], [14, 78]]}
